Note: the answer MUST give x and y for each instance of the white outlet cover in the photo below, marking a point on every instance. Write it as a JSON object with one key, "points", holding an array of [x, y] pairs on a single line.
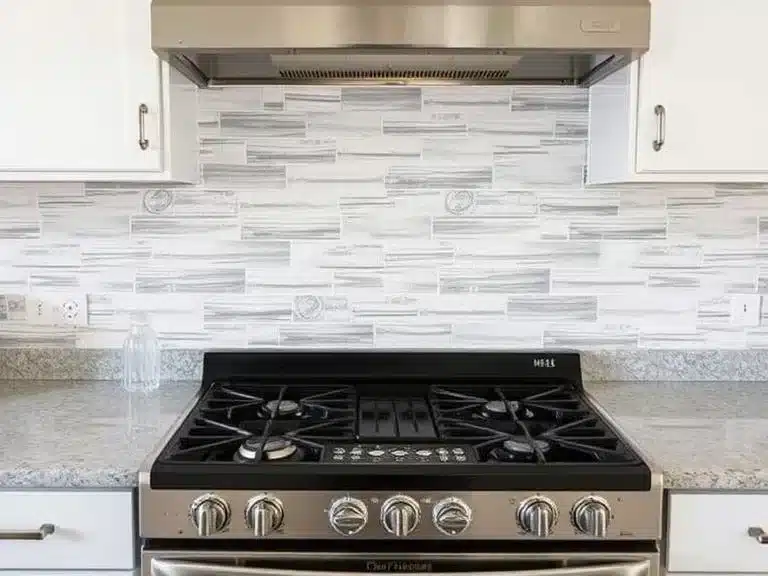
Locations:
{"points": [[57, 309], [745, 309]]}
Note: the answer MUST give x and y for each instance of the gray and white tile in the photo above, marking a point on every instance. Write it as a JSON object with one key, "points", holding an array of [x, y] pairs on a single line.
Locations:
{"points": [[190, 280], [439, 176], [263, 124], [291, 150], [536, 309], [418, 124], [289, 281], [500, 335], [310, 335], [188, 228], [492, 281], [313, 99], [379, 149], [470, 99], [515, 254], [243, 177], [412, 336], [380, 99], [587, 281]]}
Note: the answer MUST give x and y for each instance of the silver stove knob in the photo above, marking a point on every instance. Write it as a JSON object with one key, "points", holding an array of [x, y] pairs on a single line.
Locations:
{"points": [[537, 516], [210, 514], [591, 515], [348, 516], [400, 515], [451, 516], [264, 514]]}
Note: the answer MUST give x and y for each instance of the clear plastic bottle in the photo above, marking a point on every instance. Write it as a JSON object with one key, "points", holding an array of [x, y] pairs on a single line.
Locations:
{"points": [[141, 356]]}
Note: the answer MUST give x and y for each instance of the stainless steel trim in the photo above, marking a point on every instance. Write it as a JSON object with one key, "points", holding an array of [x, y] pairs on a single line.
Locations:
{"points": [[41, 533], [143, 141], [758, 534], [230, 563], [405, 41], [661, 127], [636, 515]]}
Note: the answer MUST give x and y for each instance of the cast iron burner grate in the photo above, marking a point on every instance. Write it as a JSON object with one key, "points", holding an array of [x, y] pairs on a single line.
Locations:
{"points": [[509, 424], [247, 422]]}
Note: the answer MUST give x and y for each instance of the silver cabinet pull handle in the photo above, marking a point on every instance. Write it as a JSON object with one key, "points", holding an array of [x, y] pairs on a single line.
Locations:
{"points": [[143, 142], [661, 126], [41, 533], [758, 534]]}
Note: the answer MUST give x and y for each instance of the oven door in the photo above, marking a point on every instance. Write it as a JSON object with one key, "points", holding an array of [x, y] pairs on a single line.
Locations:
{"points": [[220, 563]]}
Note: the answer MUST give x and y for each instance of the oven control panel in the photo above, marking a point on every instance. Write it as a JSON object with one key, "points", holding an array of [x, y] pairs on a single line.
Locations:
{"points": [[397, 454]]}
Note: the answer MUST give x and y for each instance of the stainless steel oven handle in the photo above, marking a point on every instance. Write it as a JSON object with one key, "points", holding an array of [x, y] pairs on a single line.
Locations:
{"points": [[181, 568]]}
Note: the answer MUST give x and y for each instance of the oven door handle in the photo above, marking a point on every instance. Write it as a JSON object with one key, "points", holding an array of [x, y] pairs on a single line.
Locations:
{"points": [[182, 568]]}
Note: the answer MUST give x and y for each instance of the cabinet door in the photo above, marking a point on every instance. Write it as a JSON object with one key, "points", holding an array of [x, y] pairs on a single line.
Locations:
{"points": [[706, 67], [74, 74]]}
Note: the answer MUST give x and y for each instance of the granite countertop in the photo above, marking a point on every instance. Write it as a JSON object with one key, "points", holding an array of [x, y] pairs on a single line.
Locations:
{"points": [[703, 435], [81, 433]]}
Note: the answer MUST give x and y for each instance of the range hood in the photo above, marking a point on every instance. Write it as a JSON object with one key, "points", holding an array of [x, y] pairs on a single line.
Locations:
{"points": [[576, 42]]}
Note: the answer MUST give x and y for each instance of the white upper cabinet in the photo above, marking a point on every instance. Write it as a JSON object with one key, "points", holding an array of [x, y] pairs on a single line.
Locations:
{"points": [[694, 107], [84, 97]]}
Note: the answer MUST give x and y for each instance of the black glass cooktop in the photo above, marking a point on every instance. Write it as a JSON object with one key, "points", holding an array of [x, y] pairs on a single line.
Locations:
{"points": [[521, 422]]}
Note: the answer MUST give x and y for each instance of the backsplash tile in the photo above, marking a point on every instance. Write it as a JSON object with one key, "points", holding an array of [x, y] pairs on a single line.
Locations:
{"points": [[393, 217]]}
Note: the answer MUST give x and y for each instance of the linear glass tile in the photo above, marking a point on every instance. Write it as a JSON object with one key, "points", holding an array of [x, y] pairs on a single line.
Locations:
{"points": [[186, 227], [381, 98], [229, 98], [492, 281], [715, 311], [591, 338], [199, 201], [310, 335], [418, 124], [350, 124], [552, 309], [393, 280], [619, 228], [50, 280], [291, 151], [312, 99], [649, 254], [478, 99], [439, 176], [263, 124], [513, 124], [393, 309], [661, 313], [341, 178], [418, 254], [387, 226], [289, 281], [514, 254], [579, 203], [412, 335], [390, 149], [335, 255], [543, 98], [237, 310], [237, 254], [522, 228], [222, 151], [703, 280], [496, 335], [191, 280], [459, 308], [591, 281], [242, 177]]}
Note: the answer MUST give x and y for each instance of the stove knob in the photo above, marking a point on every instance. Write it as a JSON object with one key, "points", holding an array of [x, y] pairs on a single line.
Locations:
{"points": [[264, 514], [451, 516], [400, 515], [210, 514], [348, 516], [591, 515], [537, 516]]}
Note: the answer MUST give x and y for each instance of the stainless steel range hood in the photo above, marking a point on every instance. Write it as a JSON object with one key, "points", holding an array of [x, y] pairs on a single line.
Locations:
{"points": [[216, 42]]}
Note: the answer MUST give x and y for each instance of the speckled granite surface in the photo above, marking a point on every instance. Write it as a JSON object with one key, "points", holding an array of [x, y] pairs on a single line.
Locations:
{"points": [[81, 433], [92, 434], [703, 435], [603, 365]]}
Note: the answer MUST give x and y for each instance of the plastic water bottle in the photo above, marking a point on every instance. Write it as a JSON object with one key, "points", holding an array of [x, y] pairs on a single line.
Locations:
{"points": [[141, 356]]}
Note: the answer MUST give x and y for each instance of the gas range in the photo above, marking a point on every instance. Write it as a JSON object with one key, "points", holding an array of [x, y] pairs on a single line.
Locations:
{"points": [[429, 446]]}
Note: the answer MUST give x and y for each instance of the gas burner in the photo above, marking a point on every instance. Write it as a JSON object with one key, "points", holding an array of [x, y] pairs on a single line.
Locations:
{"points": [[519, 449], [499, 409], [282, 408], [274, 448]]}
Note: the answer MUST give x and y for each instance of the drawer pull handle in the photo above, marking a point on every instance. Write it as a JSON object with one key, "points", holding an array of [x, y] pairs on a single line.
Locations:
{"points": [[143, 141], [758, 534], [41, 533], [661, 127]]}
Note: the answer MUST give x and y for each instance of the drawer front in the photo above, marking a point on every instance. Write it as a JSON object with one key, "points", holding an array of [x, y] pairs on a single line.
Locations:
{"points": [[708, 533], [92, 530]]}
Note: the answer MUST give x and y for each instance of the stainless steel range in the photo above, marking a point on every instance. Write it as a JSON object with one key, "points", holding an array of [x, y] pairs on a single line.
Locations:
{"points": [[319, 463]]}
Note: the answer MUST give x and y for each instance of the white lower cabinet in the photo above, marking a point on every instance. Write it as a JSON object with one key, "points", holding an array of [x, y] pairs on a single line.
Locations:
{"points": [[707, 533], [91, 531]]}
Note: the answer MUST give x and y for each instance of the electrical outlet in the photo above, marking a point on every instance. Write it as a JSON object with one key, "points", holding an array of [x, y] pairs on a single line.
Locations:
{"points": [[745, 310], [57, 309]]}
